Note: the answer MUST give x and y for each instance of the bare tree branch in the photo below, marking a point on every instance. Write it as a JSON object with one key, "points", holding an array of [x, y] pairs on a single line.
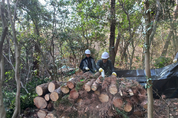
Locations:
{"points": [[155, 21]]}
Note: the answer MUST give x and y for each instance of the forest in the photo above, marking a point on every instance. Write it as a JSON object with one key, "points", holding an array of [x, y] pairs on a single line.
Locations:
{"points": [[45, 40]]}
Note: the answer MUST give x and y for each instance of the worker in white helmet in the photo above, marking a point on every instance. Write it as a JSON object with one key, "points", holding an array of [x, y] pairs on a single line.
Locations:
{"points": [[88, 63], [106, 65]]}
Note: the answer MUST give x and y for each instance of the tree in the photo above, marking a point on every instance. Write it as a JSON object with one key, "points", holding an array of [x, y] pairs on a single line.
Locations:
{"points": [[3, 36], [113, 47], [172, 30], [16, 113], [148, 38]]}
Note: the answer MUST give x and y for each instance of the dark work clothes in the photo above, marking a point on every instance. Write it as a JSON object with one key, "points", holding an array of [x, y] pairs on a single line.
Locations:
{"points": [[107, 67], [88, 62]]}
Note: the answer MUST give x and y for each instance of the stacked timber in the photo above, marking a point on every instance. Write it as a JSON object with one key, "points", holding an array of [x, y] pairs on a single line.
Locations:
{"points": [[90, 95]]}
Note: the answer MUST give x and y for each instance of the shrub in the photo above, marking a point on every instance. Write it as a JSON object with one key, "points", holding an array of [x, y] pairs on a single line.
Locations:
{"points": [[162, 61]]}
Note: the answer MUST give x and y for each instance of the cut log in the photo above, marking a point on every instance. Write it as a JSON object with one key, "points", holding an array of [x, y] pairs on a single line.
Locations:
{"points": [[42, 113], [71, 83], [50, 106], [120, 92], [103, 97], [50, 115], [130, 92], [97, 92], [73, 94], [142, 97], [47, 98], [53, 85], [135, 100], [128, 107], [96, 84], [88, 85], [42, 89], [144, 104], [56, 94], [65, 88], [40, 102], [118, 102], [138, 112], [113, 88], [79, 102], [96, 75]]}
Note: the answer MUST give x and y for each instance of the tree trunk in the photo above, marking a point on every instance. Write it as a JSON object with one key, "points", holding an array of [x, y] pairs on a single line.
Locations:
{"points": [[164, 52], [171, 32], [3, 35], [2, 109], [112, 33], [17, 64], [147, 61]]}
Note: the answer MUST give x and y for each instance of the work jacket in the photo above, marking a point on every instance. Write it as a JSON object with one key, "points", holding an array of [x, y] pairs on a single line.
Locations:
{"points": [[107, 67], [84, 63]]}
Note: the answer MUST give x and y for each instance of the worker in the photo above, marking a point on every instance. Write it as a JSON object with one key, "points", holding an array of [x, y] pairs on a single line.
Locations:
{"points": [[88, 63], [175, 58], [105, 65]]}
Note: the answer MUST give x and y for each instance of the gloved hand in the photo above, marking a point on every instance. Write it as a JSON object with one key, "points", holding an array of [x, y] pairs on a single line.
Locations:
{"points": [[113, 73], [175, 60], [100, 70], [86, 68]]}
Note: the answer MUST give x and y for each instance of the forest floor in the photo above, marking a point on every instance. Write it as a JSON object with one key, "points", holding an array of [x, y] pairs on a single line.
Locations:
{"points": [[166, 108], [163, 108]]}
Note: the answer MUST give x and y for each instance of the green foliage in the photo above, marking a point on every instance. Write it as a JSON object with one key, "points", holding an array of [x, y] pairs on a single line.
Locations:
{"points": [[119, 112], [79, 85], [65, 101], [162, 61], [26, 99], [9, 101], [10, 75]]}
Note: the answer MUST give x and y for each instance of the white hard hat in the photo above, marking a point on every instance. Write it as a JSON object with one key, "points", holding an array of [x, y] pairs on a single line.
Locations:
{"points": [[105, 55], [87, 51]]}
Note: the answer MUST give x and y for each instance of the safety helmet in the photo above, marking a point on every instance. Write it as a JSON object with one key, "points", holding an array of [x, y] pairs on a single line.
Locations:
{"points": [[105, 55], [87, 51]]}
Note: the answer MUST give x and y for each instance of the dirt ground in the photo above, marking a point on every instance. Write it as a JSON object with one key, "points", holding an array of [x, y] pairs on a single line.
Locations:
{"points": [[163, 108], [166, 108]]}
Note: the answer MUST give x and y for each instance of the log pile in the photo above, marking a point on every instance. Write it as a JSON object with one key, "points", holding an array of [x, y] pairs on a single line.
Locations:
{"points": [[90, 95]]}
